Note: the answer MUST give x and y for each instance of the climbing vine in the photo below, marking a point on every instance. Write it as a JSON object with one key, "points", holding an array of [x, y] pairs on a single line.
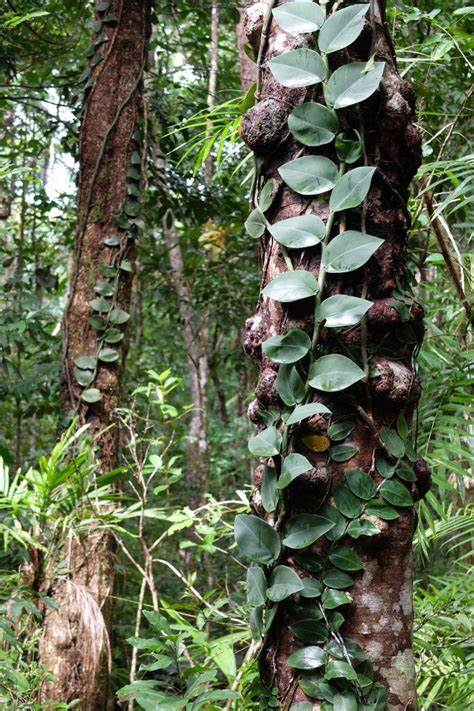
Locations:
{"points": [[331, 668], [107, 318]]}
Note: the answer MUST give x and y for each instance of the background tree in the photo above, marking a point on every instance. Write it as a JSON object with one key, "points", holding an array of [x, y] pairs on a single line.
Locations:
{"points": [[75, 644]]}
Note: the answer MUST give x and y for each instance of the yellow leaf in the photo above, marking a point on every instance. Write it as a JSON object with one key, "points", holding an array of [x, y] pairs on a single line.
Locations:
{"points": [[316, 443]]}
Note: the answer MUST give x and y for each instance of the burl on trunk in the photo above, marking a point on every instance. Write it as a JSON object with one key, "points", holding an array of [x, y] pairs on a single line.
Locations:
{"points": [[363, 475]]}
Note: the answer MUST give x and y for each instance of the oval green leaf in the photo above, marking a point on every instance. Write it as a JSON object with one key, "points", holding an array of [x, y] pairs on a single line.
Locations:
{"points": [[362, 527], [351, 189], [256, 540], [304, 529], [309, 175], [289, 385], [270, 495], [298, 232], [289, 348], [335, 598], [266, 443], [342, 28], [393, 442], [349, 251], [361, 484], [337, 579], [334, 372], [108, 355], [351, 84], [256, 586], [396, 493], [299, 17], [313, 124], [340, 310], [301, 412], [311, 588], [344, 558], [292, 286], [310, 631], [298, 68], [345, 501], [307, 658], [283, 583], [91, 395], [293, 466]]}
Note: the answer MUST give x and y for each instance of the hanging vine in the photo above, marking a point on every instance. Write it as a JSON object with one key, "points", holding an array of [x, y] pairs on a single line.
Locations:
{"points": [[330, 667]]}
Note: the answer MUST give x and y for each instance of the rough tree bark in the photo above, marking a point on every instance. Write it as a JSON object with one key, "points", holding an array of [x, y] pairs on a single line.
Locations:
{"points": [[380, 618], [75, 643]]}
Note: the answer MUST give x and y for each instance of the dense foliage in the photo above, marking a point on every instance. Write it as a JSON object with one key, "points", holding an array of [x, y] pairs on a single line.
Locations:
{"points": [[181, 637]]}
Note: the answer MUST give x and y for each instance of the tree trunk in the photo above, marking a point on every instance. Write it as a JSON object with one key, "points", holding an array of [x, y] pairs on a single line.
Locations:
{"points": [[75, 644], [380, 615]]}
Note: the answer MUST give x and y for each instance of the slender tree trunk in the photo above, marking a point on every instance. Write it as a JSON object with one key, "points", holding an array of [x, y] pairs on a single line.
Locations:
{"points": [[75, 644], [380, 616]]}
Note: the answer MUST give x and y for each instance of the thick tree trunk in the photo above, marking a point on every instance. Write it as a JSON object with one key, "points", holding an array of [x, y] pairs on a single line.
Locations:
{"points": [[380, 616], [75, 644]]}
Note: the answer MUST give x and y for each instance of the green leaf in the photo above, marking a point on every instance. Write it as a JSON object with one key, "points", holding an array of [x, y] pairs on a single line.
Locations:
{"points": [[395, 493], [298, 232], [311, 588], [361, 484], [104, 288], [84, 377], [342, 28], [334, 372], [301, 412], [351, 189], [298, 68], [309, 630], [348, 151], [292, 286], [334, 578], [406, 472], [384, 467], [349, 251], [255, 223], [289, 348], [335, 598], [343, 452], [348, 504], [267, 195], [121, 221], [340, 670], [309, 175], [362, 527], [107, 270], [381, 510], [344, 558], [256, 540], [91, 395], [311, 657], [302, 706], [256, 623], [266, 443], [270, 496], [313, 685], [97, 322], [393, 442], [293, 466], [298, 17], [126, 265], [118, 316], [311, 562], [304, 529], [331, 513], [313, 124], [108, 355], [86, 362], [340, 430], [350, 84], [345, 702], [283, 583], [256, 586], [100, 305], [113, 335], [340, 310], [289, 385]]}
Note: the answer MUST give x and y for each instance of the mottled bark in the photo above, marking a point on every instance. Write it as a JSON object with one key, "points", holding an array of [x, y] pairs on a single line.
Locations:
{"points": [[380, 618], [75, 643]]}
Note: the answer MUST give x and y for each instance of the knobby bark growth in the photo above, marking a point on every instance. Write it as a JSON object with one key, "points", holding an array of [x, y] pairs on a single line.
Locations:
{"points": [[380, 617], [75, 644]]}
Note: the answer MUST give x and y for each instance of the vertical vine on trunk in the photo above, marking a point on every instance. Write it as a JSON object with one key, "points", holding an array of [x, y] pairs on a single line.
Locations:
{"points": [[338, 474]]}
